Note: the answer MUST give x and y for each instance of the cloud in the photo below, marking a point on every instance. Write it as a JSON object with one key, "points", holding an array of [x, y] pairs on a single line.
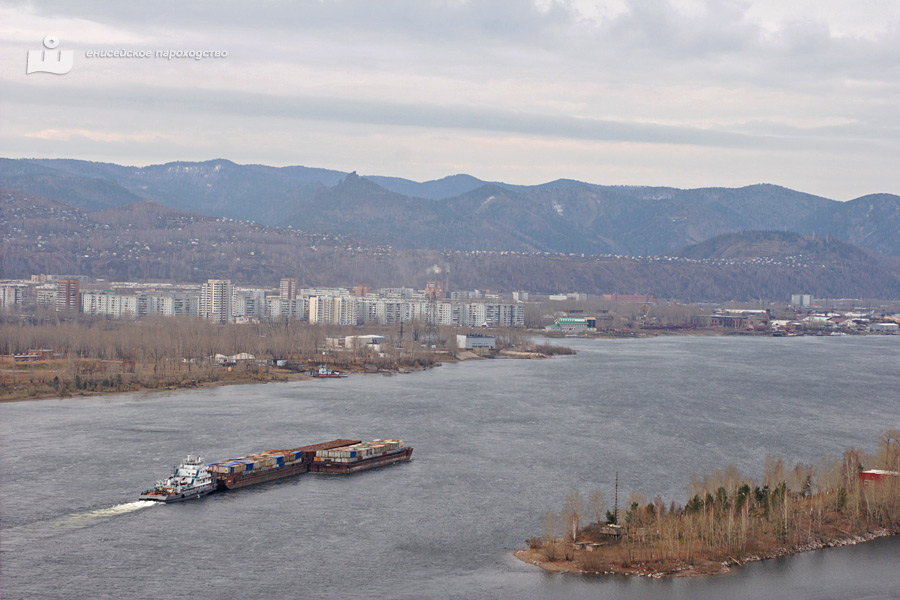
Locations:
{"points": [[747, 76], [96, 136], [237, 104]]}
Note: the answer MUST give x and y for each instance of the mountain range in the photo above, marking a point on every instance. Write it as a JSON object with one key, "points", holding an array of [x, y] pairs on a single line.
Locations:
{"points": [[461, 212], [146, 240]]}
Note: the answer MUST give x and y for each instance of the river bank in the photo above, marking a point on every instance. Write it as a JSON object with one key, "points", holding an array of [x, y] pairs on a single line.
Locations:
{"points": [[66, 378], [701, 569], [42, 381]]}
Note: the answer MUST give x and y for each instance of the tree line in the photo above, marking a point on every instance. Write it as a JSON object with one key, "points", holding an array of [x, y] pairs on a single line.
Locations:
{"points": [[729, 517]]}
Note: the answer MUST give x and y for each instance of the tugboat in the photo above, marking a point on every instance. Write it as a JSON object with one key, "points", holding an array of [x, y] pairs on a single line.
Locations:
{"points": [[326, 372], [191, 479]]}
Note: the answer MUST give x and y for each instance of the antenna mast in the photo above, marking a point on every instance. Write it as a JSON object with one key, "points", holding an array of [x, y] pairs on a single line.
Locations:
{"points": [[616, 505]]}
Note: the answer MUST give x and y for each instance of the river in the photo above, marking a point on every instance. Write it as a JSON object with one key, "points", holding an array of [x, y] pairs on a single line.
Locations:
{"points": [[497, 444]]}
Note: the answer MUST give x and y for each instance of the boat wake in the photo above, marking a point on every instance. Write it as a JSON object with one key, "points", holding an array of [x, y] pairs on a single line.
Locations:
{"points": [[50, 528], [81, 519]]}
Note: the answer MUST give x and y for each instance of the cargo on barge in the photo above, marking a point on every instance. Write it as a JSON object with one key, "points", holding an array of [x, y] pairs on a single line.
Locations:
{"points": [[336, 456], [360, 456]]}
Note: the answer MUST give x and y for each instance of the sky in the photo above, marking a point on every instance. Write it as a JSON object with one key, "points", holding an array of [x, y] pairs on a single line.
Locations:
{"points": [[684, 93]]}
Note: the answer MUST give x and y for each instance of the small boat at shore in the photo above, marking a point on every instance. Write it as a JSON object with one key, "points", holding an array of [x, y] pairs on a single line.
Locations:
{"points": [[326, 373]]}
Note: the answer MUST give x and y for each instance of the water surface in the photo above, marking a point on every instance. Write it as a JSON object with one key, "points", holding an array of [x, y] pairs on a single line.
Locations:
{"points": [[497, 444]]}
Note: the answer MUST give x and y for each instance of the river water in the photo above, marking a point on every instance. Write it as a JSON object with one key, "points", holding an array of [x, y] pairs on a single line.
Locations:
{"points": [[497, 444]]}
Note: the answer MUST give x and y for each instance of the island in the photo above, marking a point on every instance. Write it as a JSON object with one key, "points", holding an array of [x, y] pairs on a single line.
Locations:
{"points": [[728, 519]]}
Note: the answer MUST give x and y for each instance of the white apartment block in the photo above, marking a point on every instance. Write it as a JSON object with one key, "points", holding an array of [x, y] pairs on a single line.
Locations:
{"points": [[249, 304], [117, 306], [11, 295], [291, 309], [216, 301], [399, 292], [45, 295], [177, 305], [334, 310], [310, 292], [389, 312]]}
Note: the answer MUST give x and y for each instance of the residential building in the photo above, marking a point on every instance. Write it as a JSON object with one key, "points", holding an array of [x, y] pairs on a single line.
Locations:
{"points": [[801, 300], [11, 295], [289, 288], [280, 308], [249, 303], [109, 304], [216, 301], [434, 290], [68, 294]]}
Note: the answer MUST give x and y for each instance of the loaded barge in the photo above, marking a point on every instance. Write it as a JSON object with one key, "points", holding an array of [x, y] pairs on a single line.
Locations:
{"points": [[337, 456]]}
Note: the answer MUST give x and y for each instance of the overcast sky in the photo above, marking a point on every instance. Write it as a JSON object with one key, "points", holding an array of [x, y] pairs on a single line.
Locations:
{"points": [[804, 94]]}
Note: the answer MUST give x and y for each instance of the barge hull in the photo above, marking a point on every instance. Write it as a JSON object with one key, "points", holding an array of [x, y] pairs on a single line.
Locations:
{"points": [[239, 480], [176, 497], [362, 465]]}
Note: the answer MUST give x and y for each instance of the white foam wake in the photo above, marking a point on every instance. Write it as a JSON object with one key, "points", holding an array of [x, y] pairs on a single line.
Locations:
{"points": [[44, 529], [119, 509]]}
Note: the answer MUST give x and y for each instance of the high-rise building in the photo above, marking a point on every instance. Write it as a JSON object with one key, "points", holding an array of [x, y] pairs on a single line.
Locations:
{"points": [[11, 295], [68, 292], [434, 290], [216, 301], [290, 288]]}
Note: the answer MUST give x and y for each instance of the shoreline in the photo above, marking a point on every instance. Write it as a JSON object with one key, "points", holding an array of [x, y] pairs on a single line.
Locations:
{"points": [[286, 376], [199, 385], [280, 376], [703, 569]]}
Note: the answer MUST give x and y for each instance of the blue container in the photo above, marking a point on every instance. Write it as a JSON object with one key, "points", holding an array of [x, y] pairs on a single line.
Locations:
{"points": [[353, 454], [280, 460]]}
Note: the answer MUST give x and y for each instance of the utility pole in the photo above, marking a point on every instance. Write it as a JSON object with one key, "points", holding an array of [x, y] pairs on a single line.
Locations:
{"points": [[616, 502]]}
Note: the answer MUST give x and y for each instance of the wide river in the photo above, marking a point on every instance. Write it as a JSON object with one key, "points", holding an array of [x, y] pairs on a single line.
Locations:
{"points": [[497, 444]]}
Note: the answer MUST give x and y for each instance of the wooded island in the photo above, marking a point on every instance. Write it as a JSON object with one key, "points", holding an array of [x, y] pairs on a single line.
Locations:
{"points": [[729, 519]]}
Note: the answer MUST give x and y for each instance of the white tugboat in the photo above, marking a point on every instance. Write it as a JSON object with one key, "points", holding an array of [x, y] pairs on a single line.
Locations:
{"points": [[325, 372], [192, 479]]}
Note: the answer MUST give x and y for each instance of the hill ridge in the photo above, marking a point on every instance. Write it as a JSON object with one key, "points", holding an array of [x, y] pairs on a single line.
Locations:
{"points": [[564, 215]]}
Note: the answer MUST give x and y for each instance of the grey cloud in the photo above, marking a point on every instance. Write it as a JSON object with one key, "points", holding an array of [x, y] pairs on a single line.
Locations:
{"points": [[397, 114], [716, 43]]}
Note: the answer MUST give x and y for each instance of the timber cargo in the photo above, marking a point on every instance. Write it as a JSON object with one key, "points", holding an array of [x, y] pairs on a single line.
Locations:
{"points": [[336, 456], [360, 456]]}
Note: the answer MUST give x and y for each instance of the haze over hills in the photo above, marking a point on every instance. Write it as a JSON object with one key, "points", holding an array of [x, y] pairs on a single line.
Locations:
{"points": [[461, 212], [149, 241]]}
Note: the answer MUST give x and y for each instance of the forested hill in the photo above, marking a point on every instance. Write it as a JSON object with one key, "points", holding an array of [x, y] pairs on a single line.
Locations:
{"points": [[149, 241], [461, 212]]}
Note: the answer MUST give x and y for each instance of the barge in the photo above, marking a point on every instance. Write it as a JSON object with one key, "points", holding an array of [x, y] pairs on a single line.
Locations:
{"points": [[341, 456], [360, 457], [270, 465]]}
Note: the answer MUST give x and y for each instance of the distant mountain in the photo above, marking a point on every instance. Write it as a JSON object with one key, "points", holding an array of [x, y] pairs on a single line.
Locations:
{"points": [[778, 245], [149, 241], [870, 221], [437, 189], [360, 208], [461, 212], [820, 265], [81, 190], [215, 187]]}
